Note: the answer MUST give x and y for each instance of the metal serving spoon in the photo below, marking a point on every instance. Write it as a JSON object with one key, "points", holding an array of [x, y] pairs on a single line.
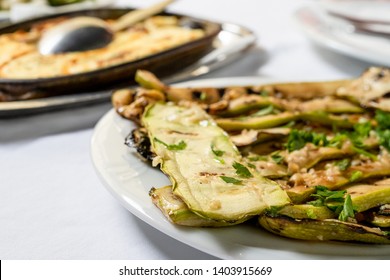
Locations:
{"points": [[86, 33]]}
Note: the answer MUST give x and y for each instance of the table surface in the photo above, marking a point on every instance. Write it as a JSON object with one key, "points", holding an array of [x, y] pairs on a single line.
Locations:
{"points": [[52, 203]]}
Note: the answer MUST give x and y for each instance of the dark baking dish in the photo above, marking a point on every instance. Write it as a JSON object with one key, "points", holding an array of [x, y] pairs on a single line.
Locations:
{"points": [[163, 64]]}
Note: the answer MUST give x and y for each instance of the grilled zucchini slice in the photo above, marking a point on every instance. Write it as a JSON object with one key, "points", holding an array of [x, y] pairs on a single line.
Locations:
{"points": [[205, 168]]}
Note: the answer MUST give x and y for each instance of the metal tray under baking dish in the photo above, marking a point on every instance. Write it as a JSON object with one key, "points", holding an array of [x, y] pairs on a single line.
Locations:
{"points": [[230, 44]]}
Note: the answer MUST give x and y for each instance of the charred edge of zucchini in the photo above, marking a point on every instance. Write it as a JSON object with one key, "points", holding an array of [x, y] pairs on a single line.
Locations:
{"points": [[322, 230], [177, 212], [139, 140], [377, 216]]}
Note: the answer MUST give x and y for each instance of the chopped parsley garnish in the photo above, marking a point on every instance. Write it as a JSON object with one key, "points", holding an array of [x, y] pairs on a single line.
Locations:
{"points": [[257, 158], [347, 211], [337, 140], [343, 164], [216, 152], [231, 180], [277, 158], [173, 147], [383, 119], [242, 170], [325, 197], [383, 129], [362, 129], [355, 176], [384, 138], [357, 136], [273, 211], [297, 139], [337, 201]]}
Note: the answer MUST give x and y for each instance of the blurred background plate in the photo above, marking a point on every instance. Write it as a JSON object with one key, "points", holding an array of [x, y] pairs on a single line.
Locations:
{"points": [[361, 10], [342, 36]]}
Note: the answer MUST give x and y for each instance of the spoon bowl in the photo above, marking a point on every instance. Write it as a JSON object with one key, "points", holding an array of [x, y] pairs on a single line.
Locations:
{"points": [[77, 34], [88, 33]]}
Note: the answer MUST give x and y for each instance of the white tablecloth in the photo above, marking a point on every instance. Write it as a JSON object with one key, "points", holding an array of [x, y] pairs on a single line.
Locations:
{"points": [[52, 204]]}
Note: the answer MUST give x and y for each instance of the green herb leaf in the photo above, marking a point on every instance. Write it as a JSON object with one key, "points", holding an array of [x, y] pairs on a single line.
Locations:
{"points": [[231, 180], [355, 176], [277, 158], [318, 202], [326, 197], [335, 201], [338, 140], [384, 138], [343, 164], [173, 147], [242, 170], [383, 119], [383, 129], [257, 158], [273, 211], [362, 129], [298, 138], [347, 211], [216, 152], [295, 141]]}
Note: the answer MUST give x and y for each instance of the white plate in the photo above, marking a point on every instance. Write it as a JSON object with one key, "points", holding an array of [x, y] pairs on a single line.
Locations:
{"points": [[362, 10], [129, 180], [338, 35]]}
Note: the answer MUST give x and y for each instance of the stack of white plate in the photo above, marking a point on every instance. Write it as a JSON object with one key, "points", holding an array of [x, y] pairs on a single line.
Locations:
{"points": [[359, 29]]}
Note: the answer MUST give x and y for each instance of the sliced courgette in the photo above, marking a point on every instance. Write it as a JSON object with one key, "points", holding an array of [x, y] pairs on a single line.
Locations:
{"points": [[323, 230], [206, 170]]}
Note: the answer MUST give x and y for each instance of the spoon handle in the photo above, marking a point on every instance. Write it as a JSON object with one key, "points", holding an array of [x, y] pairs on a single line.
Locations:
{"points": [[135, 16]]}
